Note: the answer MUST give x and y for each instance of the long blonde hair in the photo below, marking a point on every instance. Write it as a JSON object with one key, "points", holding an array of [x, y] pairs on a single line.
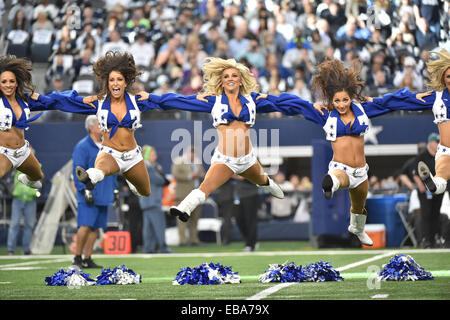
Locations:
{"points": [[212, 76], [436, 70]]}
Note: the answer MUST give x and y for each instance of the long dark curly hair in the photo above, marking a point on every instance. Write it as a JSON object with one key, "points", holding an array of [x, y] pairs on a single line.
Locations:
{"points": [[334, 77], [22, 70], [122, 62]]}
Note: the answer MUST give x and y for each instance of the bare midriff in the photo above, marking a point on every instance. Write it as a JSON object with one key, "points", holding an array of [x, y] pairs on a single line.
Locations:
{"points": [[349, 150], [234, 139]]}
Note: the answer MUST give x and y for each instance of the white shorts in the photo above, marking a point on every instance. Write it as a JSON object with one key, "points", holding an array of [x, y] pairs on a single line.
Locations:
{"points": [[355, 175], [17, 156], [441, 151], [125, 160], [237, 165]]}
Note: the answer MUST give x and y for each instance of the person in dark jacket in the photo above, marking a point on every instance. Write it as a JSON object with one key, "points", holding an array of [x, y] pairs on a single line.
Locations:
{"points": [[153, 217]]}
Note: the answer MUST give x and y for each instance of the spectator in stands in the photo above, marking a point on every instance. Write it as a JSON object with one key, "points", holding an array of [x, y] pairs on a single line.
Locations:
{"points": [[19, 22], [93, 44], [424, 36], [115, 43], [298, 56], [83, 66], [171, 53], [65, 42], [42, 23], [49, 8], [335, 16], [142, 51], [23, 205], [254, 54], [275, 71], [302, 90], [138, 20], [222, 49], [318, 47], [194, 55], [62, 65], [378, 64], [239, 44], [92, 208], [154, 218], [401, 43], [427, 15], [408, 73], [24, 6], [188, 172]]}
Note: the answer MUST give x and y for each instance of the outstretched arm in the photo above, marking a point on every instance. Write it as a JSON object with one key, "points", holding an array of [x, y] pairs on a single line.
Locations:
{"points": [[172, 101], [290, 104], [67, 101], [402, 99]]}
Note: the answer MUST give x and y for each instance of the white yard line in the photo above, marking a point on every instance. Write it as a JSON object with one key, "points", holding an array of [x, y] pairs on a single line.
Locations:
{"points": [[235, 254], [30, 263], [267, 292]]}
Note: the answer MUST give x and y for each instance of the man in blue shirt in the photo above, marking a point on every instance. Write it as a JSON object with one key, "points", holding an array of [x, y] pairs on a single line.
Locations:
{"points": [[92, 211]]}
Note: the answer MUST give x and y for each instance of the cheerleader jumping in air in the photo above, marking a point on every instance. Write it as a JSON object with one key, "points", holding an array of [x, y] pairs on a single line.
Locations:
{"points": [[230, 94], [118, 113], [345, 120], [439, 101], [15, 107]]}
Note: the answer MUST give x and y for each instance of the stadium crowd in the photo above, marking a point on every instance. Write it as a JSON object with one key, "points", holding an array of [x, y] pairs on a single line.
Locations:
{"points": [[279, 40]]}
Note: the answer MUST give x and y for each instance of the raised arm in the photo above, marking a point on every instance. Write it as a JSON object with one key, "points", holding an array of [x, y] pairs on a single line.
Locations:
{"points": [[173, 101], [402, 99], [289, 104], [67, 101]]}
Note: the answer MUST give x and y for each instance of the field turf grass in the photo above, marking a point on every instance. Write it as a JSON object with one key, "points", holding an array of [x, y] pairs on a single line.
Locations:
{"points": [[22, 277]]}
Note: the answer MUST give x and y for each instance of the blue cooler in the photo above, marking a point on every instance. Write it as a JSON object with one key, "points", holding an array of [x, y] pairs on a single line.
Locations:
{"points": [[381, 209]]}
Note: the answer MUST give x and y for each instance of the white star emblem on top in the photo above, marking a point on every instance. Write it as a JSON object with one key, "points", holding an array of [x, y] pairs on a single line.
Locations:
{"points": [[371, 134]]}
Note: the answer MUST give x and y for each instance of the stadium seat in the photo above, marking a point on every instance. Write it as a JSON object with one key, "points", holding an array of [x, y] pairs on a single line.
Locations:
{"points": [[85, 85], [40, 52], [18, 43], [19, 50], [41, 46], [209, 219]]}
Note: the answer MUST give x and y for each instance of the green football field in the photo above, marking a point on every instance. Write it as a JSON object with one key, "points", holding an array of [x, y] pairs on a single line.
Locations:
{"points": [[22, 277]]}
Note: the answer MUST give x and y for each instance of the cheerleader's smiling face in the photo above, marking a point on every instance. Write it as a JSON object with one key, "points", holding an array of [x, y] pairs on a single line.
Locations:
{"points": [[341, 102], [231, 79], [116, 84], [8, 83]]}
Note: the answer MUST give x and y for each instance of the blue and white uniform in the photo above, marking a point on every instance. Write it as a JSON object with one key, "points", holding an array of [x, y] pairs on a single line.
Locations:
{"points": [[8, 120], [108, 122], [334, 127], [439, 102], [221, 113]]}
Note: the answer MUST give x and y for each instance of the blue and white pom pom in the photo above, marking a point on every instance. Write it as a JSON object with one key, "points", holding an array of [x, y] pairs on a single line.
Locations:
{"points": [[206, 274], [119, 275], [314, 272], [73, 277], [403, 268]]}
